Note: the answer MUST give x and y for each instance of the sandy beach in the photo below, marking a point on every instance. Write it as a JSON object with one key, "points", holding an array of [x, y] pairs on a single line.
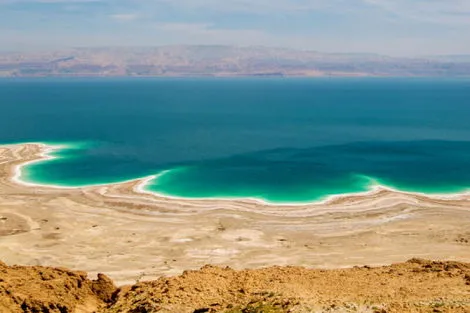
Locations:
{"points": [[132, 235]]}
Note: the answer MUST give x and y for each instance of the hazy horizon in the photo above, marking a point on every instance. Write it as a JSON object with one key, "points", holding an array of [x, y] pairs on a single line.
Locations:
{"points": [[143, 47], [386, 27]]}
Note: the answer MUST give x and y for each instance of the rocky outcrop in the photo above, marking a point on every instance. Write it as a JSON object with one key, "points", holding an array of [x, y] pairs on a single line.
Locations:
{"points": [[415, 286], [51, 290]]}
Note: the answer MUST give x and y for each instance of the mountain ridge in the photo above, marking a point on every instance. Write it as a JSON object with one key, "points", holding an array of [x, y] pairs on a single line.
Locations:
{"points": [[222, 60]]}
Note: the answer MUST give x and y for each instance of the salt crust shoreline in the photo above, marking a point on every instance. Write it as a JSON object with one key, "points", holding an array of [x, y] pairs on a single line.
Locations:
{"points": [[48, 149], [132, 234]]}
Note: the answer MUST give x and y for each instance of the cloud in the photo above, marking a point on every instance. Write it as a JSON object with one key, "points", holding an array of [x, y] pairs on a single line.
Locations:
{"points": [[49, 1], [435, 11], [206, 33], [384, 26], [124, 17], [254, 7], [227, 5]]}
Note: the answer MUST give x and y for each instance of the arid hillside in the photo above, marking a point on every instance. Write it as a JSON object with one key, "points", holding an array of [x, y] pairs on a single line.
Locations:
{"points": [[222, 61], [414, 286]]}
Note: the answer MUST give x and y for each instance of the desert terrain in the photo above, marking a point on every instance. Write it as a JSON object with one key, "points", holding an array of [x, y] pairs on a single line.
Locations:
{"points": [[134, 237]]}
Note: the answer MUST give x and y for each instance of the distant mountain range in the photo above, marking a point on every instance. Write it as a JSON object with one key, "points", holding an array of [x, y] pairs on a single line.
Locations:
{"points": [[223, 61]]}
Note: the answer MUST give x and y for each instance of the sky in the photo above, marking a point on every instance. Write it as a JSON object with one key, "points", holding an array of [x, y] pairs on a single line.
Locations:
{"points": [[391, 27]]}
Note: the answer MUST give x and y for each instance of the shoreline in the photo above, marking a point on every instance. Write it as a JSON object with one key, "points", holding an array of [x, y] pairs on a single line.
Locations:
{"points": [[131, 234], [47, 149]]}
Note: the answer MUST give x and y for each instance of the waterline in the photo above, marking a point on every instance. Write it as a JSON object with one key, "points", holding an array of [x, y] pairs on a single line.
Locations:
{"points": [[49, 153]]}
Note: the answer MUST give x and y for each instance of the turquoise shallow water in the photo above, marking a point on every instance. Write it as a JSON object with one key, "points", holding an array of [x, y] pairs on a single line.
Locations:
{"points": [[282, 140]]}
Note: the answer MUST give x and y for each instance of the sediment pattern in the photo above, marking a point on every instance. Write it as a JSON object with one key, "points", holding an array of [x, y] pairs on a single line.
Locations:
{"points": [[132, 235]]}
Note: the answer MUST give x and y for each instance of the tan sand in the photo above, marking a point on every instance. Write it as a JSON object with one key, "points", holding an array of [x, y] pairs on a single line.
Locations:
{"points": [[129, 235]]}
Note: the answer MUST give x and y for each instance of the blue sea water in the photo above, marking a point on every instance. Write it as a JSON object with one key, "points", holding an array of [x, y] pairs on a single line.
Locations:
{"points": [[282, 140]]}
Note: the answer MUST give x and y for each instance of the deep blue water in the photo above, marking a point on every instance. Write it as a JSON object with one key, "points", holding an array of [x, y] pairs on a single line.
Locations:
{"points": [[276, 139]]}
